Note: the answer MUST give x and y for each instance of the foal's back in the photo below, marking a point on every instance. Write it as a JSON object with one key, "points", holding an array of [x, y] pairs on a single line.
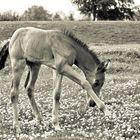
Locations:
{"points": [[41, 45]]}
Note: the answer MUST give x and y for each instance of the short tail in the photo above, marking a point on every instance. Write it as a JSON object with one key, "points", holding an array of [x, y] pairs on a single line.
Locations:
{"points": [[4, 52]]}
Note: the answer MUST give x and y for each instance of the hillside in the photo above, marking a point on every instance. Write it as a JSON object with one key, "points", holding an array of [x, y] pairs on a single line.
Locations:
{"points": [[90, 32]]}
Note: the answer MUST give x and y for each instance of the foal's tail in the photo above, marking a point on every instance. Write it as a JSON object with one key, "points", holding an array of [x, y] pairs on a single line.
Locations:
{"points": [[4, 54]]}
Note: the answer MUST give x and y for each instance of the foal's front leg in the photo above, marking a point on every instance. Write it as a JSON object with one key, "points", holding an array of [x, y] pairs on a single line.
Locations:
{"points": [[57, 80], [76, 77]]}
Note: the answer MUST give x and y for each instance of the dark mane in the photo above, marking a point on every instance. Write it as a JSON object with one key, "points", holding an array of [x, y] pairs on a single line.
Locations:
{"points": [[82, 44]]}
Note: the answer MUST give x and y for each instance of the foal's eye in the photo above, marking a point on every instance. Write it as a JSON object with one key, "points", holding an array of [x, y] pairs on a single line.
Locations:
{"points": [[96, 83]]}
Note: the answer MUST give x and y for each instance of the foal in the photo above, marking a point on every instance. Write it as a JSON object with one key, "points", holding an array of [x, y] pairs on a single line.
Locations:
{"points": [[59, 50]]}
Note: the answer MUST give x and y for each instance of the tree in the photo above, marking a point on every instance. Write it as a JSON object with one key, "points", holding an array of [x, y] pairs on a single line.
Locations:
{"points": [[137, 12], [36, 13], [126, 8], [106, 9], [91, 7], [71, 17], [56, 17], [9, 16]]}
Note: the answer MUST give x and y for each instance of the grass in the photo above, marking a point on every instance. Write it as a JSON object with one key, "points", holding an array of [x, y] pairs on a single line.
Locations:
{"points": [[118, 41], [124, 58], [90, 32]]}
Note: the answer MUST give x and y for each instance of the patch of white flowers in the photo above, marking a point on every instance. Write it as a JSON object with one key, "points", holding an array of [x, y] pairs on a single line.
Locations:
{"points": [[77, 120]]}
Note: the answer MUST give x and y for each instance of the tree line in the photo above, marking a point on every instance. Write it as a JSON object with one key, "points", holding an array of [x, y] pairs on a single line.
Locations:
{"points": [[34, 13], [92, 9]]}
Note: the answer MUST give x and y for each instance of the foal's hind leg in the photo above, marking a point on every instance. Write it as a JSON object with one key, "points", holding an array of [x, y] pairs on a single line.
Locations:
{"points": [[34, 69], [17, 70], [57, 80]]}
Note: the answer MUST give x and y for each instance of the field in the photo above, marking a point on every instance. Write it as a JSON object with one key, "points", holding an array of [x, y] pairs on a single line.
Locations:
{"points": [[118, 41]]}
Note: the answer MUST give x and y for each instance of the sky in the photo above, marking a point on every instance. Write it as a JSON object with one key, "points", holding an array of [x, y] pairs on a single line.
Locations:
{"points": [[137, 2], [53, 6]]}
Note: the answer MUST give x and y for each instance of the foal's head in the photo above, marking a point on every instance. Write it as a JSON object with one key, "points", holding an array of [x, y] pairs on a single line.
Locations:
{"points": [[97, 79], [100, 76]]}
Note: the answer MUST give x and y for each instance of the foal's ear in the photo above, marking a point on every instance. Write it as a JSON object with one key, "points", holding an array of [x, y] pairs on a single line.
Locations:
{"points": [[103, 66], [106, 63]]}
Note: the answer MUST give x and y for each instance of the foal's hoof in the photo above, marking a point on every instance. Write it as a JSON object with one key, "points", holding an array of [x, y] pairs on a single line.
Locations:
{"points": [[55, 124], [16, 131], [107, 113], [39, 120], [57, 128], [92, 103]]}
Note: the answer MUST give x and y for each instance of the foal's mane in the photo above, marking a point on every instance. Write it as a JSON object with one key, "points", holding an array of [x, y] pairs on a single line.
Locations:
{"points": [[82, 44]]}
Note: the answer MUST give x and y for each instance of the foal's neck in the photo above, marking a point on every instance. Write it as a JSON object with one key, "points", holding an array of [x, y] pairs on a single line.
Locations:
{"points": [[88, 65]]}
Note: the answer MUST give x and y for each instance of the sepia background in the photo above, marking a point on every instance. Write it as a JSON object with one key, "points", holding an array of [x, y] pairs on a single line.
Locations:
{"points": [[111, 28]]}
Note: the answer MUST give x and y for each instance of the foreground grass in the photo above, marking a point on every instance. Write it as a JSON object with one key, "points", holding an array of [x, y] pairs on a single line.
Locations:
{"points": [[77, 122]]}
